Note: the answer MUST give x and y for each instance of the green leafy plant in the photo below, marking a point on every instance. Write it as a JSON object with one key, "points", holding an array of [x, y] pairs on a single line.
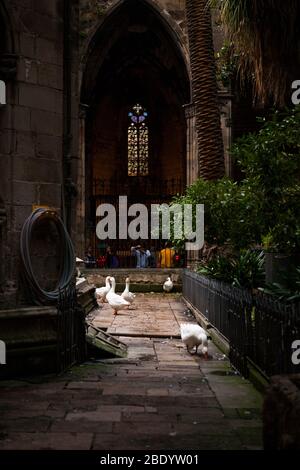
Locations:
{"points": [[232, 211], [219, 268], [270, 161], [245, 270], [289, 289], [263, 208], [248, 269], [227, 63], [267, 242]]}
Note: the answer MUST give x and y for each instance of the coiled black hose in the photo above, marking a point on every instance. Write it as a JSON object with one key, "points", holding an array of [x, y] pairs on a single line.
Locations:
{"points": [[67, 265]]}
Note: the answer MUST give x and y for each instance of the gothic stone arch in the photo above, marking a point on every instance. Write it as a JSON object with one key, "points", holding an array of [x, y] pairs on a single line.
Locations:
{"points": [[147, 18]]}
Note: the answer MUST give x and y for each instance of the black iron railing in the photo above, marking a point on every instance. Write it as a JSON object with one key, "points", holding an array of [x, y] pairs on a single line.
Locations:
{"points": [[71, 345], [256, 326]]}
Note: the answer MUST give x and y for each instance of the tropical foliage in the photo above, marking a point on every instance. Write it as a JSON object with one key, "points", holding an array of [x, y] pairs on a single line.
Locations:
{"points": [[265, 205], [288, 289], [243, 270], [232, 211], [265, 34], [270, 161], [227, 64]]}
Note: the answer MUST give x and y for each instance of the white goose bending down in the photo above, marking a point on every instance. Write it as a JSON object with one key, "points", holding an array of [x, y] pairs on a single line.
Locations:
{"points": [[101, 292], [115, 301], [127, 295], [168, 285], [194, 336]]}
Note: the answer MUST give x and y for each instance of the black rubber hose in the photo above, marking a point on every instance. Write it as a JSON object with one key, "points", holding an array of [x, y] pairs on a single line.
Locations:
{"points": [[67, 268]]}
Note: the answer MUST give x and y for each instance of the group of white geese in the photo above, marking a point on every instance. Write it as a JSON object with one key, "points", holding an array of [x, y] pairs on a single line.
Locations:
{"points": [[118, 302], [192, 335]]}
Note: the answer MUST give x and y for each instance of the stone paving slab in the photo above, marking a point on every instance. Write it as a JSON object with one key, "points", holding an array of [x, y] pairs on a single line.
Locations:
{"points": [[143, 318], [159, 397]]}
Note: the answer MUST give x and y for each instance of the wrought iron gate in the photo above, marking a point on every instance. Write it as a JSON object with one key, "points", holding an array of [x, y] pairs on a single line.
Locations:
{"points": [[71, 344]]}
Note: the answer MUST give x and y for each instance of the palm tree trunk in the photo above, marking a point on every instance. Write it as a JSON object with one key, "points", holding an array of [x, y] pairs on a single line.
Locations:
{"points": [[204, 86]]}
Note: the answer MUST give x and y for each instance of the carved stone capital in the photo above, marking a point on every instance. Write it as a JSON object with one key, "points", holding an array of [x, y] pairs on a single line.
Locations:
{"points": [[189, 110]]}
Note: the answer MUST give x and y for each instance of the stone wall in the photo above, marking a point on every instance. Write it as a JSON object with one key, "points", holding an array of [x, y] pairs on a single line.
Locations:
{"points": [[281, 414], [32, 123]]}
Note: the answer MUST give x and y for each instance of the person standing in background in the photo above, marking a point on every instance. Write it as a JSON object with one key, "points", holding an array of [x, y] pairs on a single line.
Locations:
{"points": [[141, 256], [152, 258], [166, 256], [108, 255]]}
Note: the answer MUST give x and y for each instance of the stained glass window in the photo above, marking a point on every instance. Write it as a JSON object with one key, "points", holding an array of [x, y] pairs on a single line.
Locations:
{"points": [[138, 142]]}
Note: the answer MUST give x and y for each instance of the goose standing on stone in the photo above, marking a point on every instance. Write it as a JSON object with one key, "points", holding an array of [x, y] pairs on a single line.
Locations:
{"points": [[192, 336], [127, 295], [168, 285], [115, 301], [101, 292]]}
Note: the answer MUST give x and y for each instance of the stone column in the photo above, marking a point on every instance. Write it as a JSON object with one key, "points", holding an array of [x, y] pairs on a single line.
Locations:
{"points": [[225, 100], [192, 147], [81, 197], [2, 236], [191, 166]]}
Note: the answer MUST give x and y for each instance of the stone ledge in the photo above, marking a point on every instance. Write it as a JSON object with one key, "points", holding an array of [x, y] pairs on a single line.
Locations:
{"points": [[30, 335], [10, 314], [141, 280]]}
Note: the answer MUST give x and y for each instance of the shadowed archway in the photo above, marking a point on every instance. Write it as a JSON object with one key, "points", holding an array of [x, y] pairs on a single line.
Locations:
{"points": [[135, 57]]}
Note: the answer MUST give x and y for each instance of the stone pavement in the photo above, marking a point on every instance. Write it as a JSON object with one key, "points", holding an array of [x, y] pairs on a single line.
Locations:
{"points": [[151, 315], [159, 398]]}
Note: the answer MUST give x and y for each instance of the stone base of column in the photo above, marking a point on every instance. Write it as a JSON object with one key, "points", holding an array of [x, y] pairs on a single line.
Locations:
{"points": [[281, 414]]}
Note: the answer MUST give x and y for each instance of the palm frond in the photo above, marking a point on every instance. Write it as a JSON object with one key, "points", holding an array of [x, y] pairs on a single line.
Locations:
{"points": [[265, 35]]}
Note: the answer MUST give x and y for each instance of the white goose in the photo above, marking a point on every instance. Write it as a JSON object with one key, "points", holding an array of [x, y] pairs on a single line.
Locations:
{"points": [[101, 292], [127, 295], [193, 335], [115, 301], [168, 285]]}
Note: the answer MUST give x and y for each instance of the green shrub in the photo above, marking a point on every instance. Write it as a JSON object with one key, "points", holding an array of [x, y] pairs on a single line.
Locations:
{"points": [[245, 270], [270, 161], [289, 289], [265, 206], [220, 268], [232, 211], [248, 269]]}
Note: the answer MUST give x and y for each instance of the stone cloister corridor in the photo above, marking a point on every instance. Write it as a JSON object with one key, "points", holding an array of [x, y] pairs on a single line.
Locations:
{"points": [[149, 154], [158, 397]]}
